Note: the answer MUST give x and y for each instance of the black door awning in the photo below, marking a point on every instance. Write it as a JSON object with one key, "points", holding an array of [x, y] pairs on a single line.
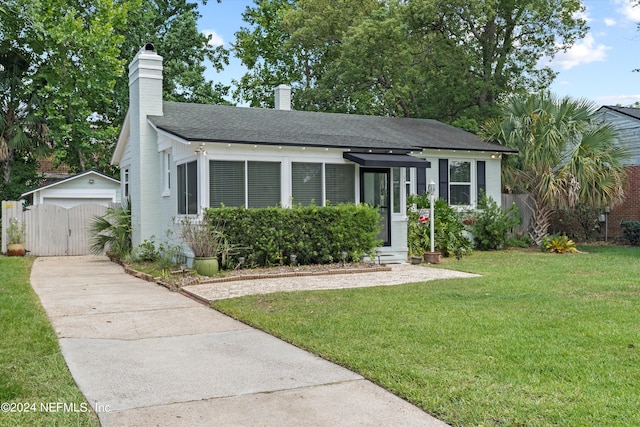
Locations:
{"points": [[387, 160]]}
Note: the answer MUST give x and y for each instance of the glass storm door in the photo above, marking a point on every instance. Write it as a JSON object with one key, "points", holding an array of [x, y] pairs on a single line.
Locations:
{"points": [[374, 191]]}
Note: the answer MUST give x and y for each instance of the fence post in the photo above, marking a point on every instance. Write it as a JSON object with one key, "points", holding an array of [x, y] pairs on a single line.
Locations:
{"points": [[10, 209]]}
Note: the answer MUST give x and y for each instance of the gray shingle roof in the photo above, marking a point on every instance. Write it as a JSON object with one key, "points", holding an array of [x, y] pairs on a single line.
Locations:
{"points": [[220, 123], [631, 112]]}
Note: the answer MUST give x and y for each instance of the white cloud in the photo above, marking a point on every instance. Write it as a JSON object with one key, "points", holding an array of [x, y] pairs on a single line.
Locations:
{"points": [[583, 52], [617, 99], [214, 38], [628, 9], [609, 22]]}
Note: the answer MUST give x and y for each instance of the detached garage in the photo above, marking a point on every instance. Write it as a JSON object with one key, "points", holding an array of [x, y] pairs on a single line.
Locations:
{"points": [[86, 187]]}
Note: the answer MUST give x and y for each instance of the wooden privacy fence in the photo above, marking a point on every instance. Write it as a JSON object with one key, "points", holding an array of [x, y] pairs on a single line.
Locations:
{"points": [[524, 203], [52, 230]]}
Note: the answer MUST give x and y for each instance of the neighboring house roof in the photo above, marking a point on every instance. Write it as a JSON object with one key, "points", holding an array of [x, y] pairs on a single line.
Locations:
{"points": [[220, 123], [71, 178], [628, 111], [626, 120]]}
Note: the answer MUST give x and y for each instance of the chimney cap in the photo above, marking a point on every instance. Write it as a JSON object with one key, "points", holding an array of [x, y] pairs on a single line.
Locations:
{"points": [[149, 47]]}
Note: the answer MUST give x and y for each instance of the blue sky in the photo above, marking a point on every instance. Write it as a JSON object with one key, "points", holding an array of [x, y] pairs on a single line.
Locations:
{"points": [[598, 67]]}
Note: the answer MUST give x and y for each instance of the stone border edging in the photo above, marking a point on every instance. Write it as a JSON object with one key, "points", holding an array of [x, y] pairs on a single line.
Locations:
{"points": [[293, 274], [149, 278]]}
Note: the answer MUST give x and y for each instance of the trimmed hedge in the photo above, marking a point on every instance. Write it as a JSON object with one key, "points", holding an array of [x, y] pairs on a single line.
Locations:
{"points": [[316, 235], [631, 230]]}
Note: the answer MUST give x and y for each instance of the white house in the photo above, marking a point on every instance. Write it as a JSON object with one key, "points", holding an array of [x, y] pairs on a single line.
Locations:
{"points": [[86, 187], [178, 158]]}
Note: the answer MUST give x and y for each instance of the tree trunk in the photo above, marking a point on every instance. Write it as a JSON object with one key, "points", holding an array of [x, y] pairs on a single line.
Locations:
{"points": [[540, 221]]}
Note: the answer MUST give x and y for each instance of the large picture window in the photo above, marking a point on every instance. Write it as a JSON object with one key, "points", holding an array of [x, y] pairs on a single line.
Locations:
{"points": [[306, 183], [188, 188], [244, 184], [321, 183], [263, 184], [340, 183]]}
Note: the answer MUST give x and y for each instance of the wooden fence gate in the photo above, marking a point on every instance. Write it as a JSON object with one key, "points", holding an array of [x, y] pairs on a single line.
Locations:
{"points": [[53, 230]]}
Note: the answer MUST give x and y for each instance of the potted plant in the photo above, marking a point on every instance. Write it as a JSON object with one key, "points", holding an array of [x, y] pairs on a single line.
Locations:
{"points": [[16, 233], [205, 241]]}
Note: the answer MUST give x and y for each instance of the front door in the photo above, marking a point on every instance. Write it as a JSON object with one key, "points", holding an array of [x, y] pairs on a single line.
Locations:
{"points": [[374, 191]]}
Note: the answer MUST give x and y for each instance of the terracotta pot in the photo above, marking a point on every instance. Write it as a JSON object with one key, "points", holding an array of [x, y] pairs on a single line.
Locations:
{"points": [[15, 249], [206, 266], [432, 257]]}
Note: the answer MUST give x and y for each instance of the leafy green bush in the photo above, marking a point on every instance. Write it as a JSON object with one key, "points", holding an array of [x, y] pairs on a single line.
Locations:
{"points": [[164, 254], [494, 225], [315, 235], [631, 231], [448, 228], [558, 244]]}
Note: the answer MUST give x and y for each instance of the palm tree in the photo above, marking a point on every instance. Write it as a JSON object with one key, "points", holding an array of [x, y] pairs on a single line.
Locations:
{"points": [[111, 232], [564, 155], [21, 128]]}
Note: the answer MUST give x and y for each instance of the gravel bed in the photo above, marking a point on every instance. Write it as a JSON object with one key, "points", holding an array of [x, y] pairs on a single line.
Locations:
{"points": [[399, 274]]}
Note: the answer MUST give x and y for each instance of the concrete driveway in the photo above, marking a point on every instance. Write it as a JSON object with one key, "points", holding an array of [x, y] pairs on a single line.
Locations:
{"points": [[144, 356]]}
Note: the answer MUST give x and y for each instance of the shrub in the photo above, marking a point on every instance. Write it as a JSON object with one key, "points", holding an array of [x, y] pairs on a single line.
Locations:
{"points": [[494, 225], [315, 235], [631, 231], [448, 228], [558, 244], [112, 232], [163, 254]]}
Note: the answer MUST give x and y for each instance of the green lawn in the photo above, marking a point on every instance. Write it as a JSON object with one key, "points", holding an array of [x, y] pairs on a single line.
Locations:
{"points": [[34, 379], [541, 339]]}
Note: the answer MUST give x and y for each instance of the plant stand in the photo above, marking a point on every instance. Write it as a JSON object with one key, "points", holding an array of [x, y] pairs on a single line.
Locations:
{"points": [[432, 257]]}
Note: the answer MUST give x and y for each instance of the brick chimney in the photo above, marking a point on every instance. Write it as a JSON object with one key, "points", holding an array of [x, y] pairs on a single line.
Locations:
{"points": [[145, 99]]}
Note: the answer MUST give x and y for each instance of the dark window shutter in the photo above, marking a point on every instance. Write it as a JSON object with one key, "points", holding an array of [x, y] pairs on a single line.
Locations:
{"points": [[443, 179], [481, 173], [421, 174]]}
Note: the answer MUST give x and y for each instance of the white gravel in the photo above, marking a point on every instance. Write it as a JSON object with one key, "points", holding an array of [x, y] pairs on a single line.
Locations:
{"points": [[399, 274]]}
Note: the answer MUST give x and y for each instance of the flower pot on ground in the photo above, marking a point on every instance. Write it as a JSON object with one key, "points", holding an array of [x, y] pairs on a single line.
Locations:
{"points": [[16, 249], [432, 257], [206, 266], [16, 233], [415, 260], [205, 241]]}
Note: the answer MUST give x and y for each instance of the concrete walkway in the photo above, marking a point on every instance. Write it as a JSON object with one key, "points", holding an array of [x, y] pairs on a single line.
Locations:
{"points": [[144, 356]]}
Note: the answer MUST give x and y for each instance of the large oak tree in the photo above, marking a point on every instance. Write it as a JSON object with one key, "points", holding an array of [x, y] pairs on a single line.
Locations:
{"points": [[444, 59]]}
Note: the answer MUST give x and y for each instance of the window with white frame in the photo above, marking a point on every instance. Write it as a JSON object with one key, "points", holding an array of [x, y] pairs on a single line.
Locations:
{"points": [[407, 182], [395, 188], [125, 182], [459, 182], [309, 179], [340, 181], [306, 183], [166, 173], [244, 183], [188, 188]]}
